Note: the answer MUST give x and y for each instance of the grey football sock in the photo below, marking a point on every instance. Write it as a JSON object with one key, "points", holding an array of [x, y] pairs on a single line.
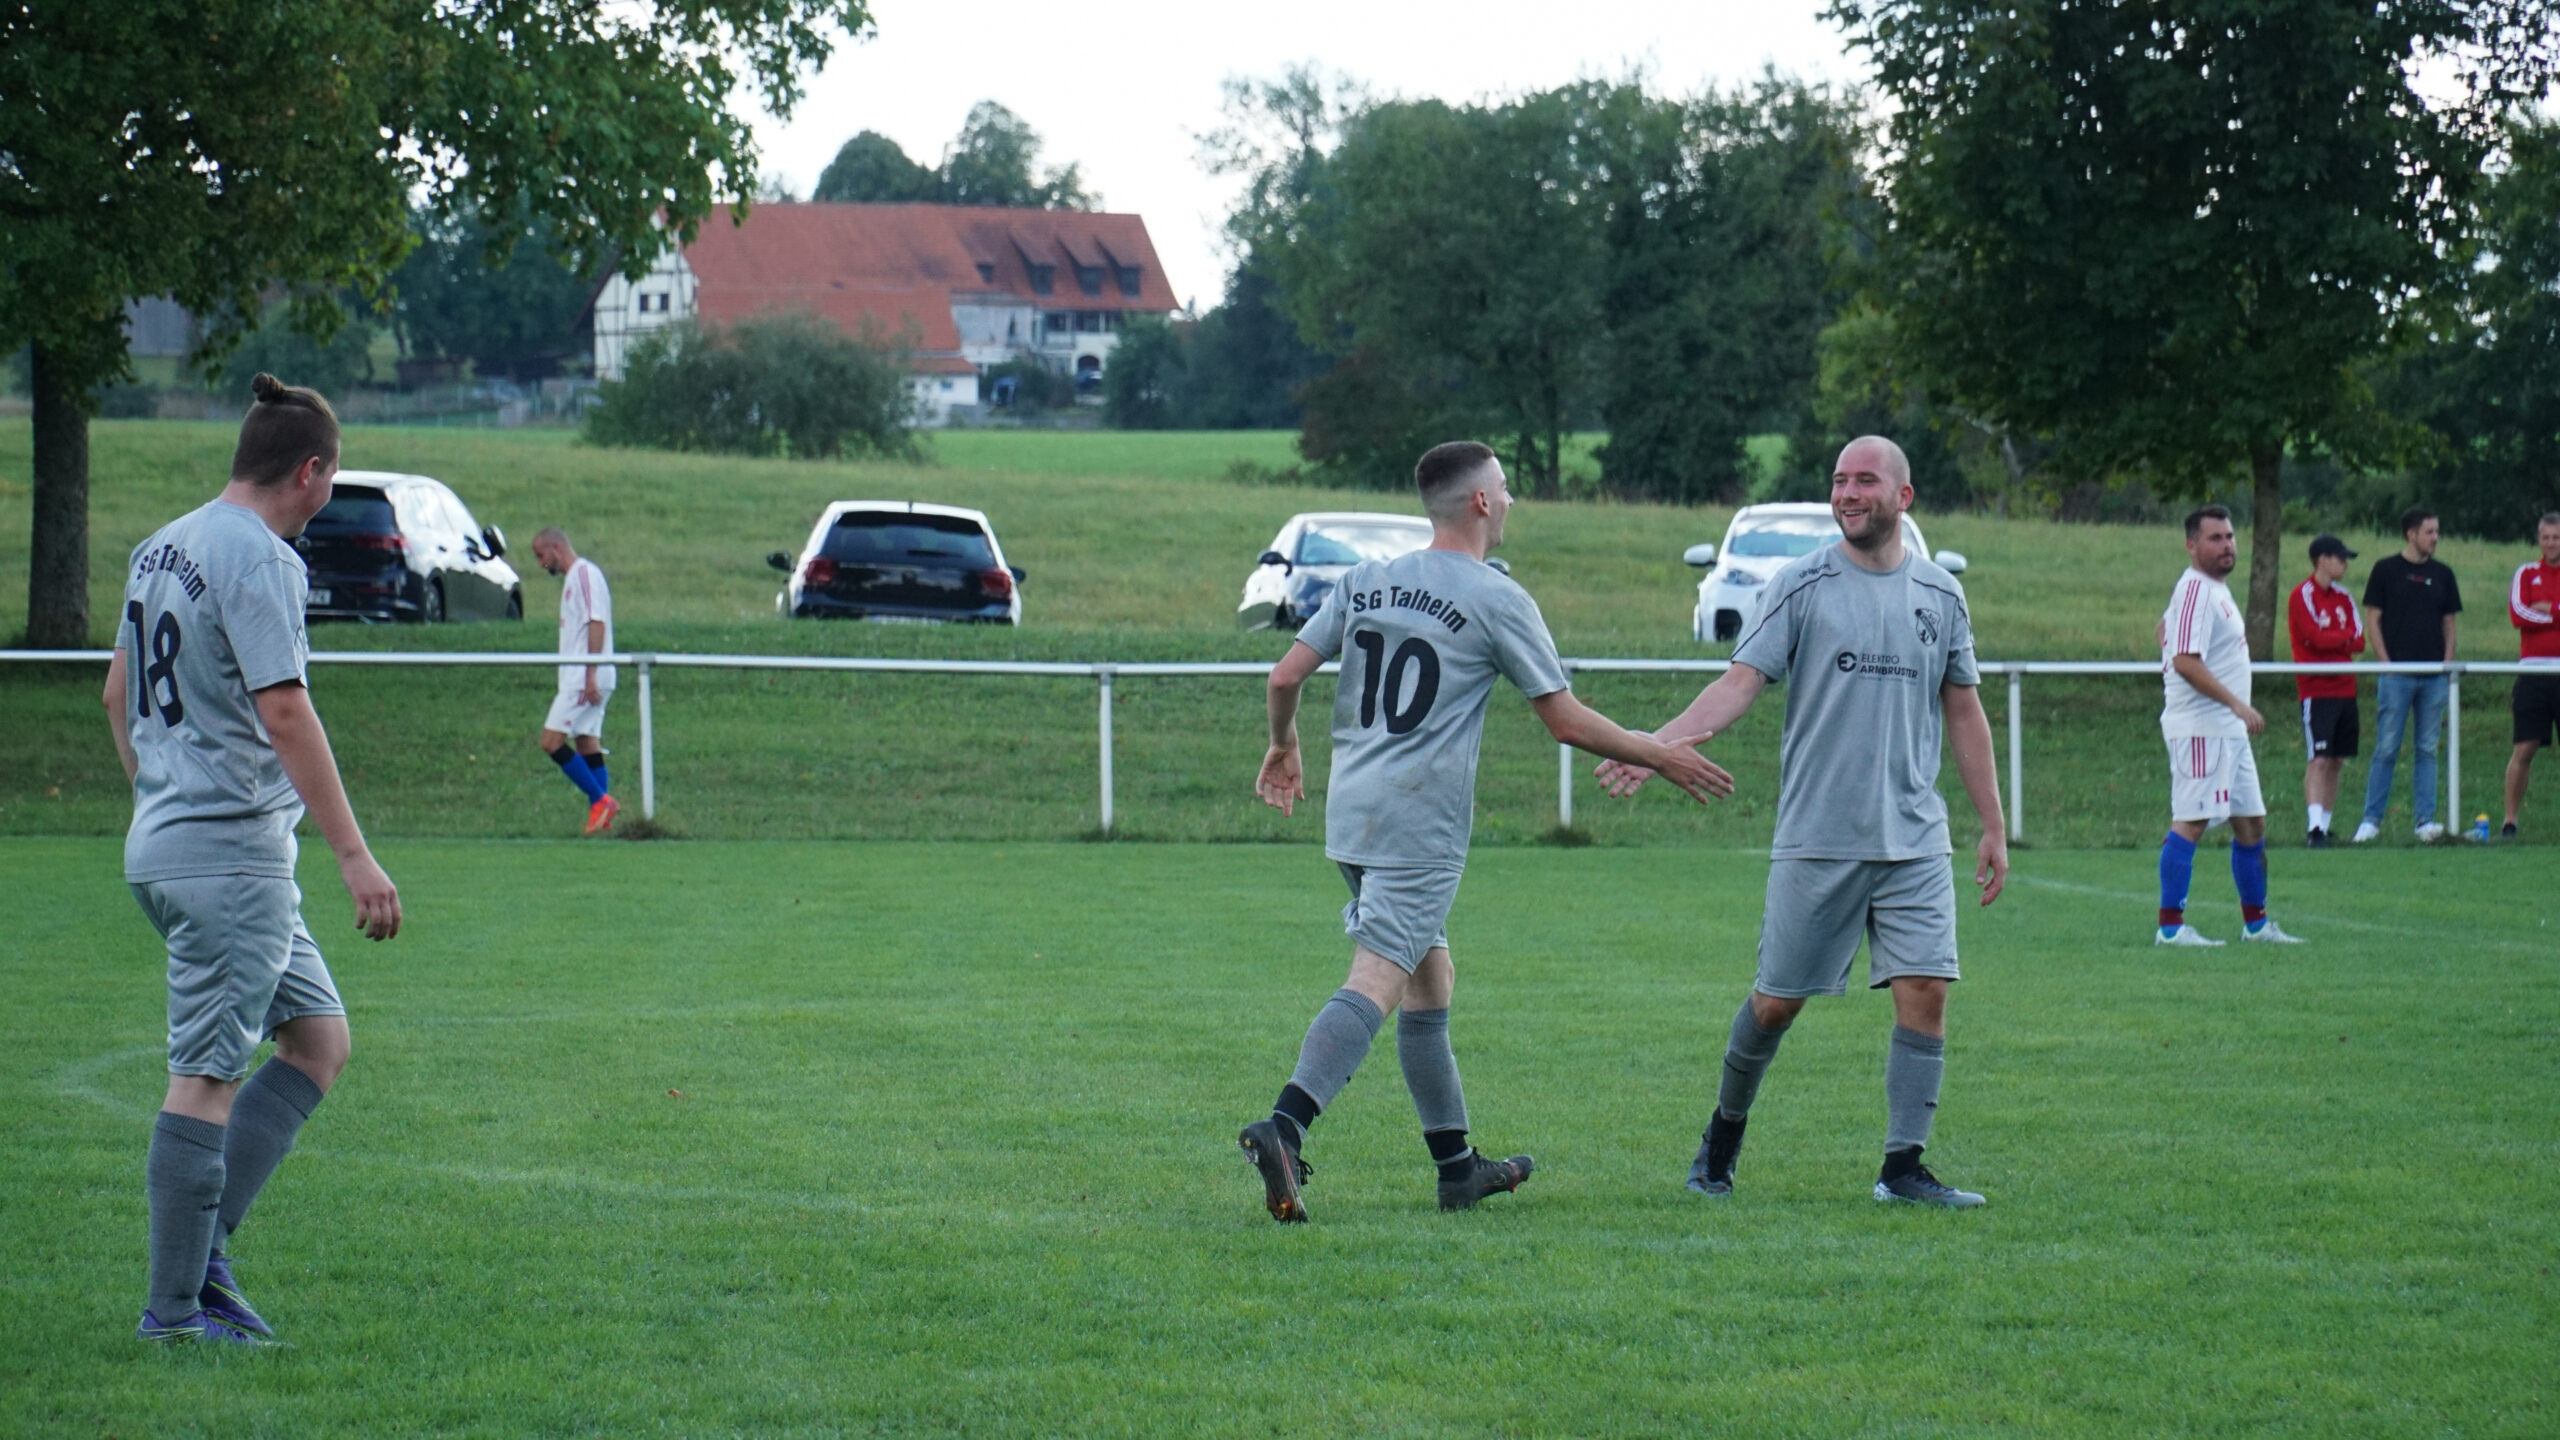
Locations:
{"points": [[184, 1179], [1912, 1069], [270, 1108], [1746, 1058], [1431, 1069], [1336, 1043]]}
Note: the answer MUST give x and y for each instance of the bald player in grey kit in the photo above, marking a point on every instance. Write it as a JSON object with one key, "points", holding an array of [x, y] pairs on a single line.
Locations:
{"points": [[1875, 645], [1422, 638]]}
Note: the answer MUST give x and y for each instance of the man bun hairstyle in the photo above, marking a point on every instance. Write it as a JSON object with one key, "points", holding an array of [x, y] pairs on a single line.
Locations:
{"points": [[1445, 471], [2413, 517], [2202, 513], [286, 425]]}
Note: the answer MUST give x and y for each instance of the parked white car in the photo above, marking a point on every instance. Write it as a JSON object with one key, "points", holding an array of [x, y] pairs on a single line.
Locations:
{"points": [[1759, 543], [1307, 558], [900, 560]]}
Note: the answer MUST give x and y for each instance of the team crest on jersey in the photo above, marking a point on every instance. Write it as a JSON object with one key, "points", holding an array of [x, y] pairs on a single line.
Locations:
{"points": [[1927, 620]]}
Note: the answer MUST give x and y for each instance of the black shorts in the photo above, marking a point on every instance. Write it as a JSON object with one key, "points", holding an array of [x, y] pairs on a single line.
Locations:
{"points": [[2537, 707], [2330, 728]]}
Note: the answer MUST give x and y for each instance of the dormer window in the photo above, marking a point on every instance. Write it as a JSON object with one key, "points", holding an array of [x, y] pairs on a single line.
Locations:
{"points": [[1089, 279], [986, 273], [1128, 276], [1044, 278]]}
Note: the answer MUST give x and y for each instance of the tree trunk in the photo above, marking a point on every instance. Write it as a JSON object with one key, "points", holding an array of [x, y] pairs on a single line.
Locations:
{"points": [[58, 555], [2266, 548]]}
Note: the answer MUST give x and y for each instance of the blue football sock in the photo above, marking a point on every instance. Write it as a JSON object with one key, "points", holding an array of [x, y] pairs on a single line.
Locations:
{"points": [[2249, 873], [574, 765], [2177, 872], [595, 767]]}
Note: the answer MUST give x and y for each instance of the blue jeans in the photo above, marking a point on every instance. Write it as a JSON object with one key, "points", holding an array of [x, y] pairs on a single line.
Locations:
{"points": [[2395, 698]]}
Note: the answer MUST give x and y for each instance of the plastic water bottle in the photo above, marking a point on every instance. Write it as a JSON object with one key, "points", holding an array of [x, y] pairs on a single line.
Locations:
{"points": [[2480, 826]]}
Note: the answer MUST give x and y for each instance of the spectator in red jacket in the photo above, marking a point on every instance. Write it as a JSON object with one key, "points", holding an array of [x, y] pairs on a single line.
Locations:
{"points": [[2533, 604], [2327, 630]]}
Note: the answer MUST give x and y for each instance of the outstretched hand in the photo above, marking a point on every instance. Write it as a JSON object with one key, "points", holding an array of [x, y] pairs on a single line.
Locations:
{"points": [[1619, 778], [1281, 784], [1695, 773]]}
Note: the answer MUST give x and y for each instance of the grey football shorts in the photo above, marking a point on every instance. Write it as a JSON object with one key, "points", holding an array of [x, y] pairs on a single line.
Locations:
{"points": [[1817, 909], [1399, 913], [240, 964]]}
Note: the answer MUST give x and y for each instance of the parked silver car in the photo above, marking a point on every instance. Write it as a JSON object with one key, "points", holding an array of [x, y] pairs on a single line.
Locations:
{"points": [[1759, 542], [1306, 559]]}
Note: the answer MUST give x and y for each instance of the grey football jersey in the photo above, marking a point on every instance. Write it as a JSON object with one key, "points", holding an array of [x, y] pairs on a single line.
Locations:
{"points": [[1421, 638], [212, 614], [1858, 764]]}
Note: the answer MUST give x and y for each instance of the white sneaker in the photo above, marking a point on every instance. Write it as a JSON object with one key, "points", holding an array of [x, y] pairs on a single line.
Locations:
{"points": [[2268, 934], [2184, 935], [2430, 833], [2366, 831]]}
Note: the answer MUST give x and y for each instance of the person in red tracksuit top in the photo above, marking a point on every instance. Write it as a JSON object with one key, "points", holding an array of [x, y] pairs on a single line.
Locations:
{"points": [[2327, 630], [2533, 604]]}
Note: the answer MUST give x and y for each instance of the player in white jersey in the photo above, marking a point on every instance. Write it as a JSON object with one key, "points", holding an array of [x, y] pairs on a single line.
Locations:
{"points": [[206, 704], [1422, 638], [2207, 722], [573, 733]]}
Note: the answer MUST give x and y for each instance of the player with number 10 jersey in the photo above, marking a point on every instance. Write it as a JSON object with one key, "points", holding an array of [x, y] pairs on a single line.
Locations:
{"points": [[1421, 638]]}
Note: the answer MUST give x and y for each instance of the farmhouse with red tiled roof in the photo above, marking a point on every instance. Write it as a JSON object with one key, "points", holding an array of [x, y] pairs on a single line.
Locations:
{"points": [[966, 286]]}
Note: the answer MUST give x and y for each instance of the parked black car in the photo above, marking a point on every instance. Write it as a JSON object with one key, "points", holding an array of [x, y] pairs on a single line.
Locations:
{"points": [[900, 560], [403, 547]]}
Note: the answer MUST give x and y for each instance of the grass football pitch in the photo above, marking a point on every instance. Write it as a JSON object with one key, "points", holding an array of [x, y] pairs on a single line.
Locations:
{"points": [[770, 1138]]}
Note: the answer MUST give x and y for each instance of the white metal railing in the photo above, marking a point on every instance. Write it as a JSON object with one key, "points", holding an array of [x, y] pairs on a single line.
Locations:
{"points": [[644, 663]]}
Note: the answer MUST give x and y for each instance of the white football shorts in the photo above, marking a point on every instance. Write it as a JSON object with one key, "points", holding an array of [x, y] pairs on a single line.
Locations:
{"points": [[572, 716], [2212, 778]]}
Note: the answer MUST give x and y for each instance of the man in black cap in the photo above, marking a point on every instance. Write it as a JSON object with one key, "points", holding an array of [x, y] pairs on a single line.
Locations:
{"points": [[2327, 630]]}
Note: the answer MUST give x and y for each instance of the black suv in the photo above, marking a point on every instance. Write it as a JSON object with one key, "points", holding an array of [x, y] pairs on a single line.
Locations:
{"points": [[403, 547]]}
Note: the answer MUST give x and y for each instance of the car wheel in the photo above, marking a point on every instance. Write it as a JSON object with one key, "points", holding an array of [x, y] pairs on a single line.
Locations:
{"points": [[432, 612], [515, 603]]}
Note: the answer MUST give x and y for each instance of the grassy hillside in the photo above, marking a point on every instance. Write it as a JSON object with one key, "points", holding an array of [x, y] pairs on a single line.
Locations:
{"points": [[1136, 547]]}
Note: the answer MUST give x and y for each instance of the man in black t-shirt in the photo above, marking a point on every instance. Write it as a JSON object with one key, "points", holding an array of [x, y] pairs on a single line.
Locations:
{"points": [[2410, 605]]}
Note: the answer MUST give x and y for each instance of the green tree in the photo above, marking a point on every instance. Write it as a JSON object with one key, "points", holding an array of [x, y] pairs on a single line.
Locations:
{"points": [[996, 161], [872, 168], [1717, 238], [2490, 385], [783, 384], [1456, 250], [2166, 233], [502, 295], [277, 347], [210, 150]]}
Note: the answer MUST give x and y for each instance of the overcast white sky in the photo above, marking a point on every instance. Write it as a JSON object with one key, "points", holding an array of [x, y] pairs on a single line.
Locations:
{"points": [[1123, 87]]}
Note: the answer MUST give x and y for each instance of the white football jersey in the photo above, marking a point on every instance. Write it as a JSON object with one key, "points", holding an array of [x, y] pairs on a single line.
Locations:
{"points": [[583, 597], [2202, 621]]}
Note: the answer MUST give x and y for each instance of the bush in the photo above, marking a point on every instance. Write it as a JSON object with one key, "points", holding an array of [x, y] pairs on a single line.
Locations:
{"points": [[776, 385]]}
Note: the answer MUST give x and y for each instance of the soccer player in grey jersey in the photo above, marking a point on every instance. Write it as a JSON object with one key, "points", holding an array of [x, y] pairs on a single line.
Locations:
{"points": [[206, 704], [1879, 645], [1422, 638]]}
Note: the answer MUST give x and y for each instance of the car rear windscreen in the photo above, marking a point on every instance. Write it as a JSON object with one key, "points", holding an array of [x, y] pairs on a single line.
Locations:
{"points": [[1339, 544], [897, 539], [357, 511]]}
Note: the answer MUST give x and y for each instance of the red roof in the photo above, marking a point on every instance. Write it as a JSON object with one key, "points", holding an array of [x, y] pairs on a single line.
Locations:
{"points": [[899, 267]]}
